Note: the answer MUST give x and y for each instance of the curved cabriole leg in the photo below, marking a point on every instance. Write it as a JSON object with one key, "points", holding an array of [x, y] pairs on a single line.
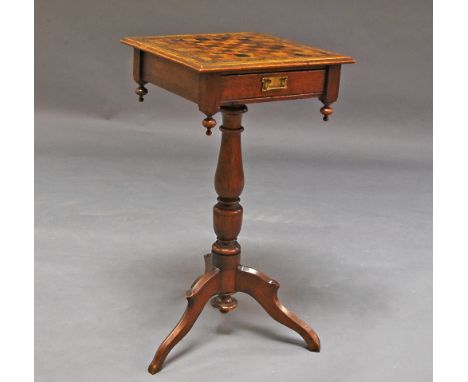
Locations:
{"points": [[263, 289], [197, 297]]}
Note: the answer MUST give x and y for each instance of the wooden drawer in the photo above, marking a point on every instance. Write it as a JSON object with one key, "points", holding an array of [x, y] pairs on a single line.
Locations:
{"points": [[258, 87]]}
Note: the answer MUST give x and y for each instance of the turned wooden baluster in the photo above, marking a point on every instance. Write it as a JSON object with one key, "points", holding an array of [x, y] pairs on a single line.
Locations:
{"points": [[227, 213]]}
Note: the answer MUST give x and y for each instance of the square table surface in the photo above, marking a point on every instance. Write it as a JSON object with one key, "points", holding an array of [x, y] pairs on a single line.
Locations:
{"points": [[218, 52]]}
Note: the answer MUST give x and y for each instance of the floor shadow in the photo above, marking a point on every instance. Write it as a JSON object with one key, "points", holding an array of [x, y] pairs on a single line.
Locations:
{"points": [[270, 334], [228, 327], [180, 352]]}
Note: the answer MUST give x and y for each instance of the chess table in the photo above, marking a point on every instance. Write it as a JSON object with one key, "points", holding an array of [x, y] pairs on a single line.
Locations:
{"points": [[223, 72]]}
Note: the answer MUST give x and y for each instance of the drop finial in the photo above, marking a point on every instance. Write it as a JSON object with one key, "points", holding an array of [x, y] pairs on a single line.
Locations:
{"points": [[141, 91], [326, 110], [209, 123]]}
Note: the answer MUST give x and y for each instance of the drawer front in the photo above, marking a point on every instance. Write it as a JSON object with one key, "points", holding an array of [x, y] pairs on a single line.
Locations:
{"points": [[270, 85]]}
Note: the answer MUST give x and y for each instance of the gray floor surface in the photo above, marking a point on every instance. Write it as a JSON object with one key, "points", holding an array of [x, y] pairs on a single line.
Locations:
{"points": [[340, 216]]}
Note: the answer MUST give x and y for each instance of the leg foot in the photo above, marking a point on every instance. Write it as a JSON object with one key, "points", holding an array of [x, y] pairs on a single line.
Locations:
{"points": [[224, 302], [264, 290], [207, 286]]}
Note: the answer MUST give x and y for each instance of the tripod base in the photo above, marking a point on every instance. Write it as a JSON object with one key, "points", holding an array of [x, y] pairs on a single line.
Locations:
{"points": [[224, 275], [221, 280]]}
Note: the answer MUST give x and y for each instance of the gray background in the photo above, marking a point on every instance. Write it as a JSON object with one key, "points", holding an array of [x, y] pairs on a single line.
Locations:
{"points": [[339, 213]]}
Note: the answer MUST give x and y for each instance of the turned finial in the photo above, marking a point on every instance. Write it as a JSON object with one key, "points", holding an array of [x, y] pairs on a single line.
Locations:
{"points": [[326, 110], [141, 91], [209, 123]]}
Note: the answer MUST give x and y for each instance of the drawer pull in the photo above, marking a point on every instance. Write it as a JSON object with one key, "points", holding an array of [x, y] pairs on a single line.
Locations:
{"points": [[274, 83]]}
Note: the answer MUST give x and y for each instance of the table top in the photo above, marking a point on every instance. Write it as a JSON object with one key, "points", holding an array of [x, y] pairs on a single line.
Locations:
{"points": [[217, 52]]}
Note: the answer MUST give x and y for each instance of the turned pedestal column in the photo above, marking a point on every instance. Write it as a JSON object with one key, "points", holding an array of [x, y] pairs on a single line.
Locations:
{"points": [[227, 213], [223, 273]]}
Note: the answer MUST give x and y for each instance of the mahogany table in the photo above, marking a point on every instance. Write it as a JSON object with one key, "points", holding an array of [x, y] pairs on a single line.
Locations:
{"points": [[223, 72]]}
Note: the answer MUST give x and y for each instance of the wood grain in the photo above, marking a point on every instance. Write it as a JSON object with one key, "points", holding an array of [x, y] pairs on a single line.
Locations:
{"points": [[249, 86], [224, 275], [219, 69], [242, 51], [171, 76], [223, 72]]}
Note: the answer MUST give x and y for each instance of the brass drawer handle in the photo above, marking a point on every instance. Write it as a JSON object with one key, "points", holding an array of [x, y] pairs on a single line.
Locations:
{"points": [[274, 83]]}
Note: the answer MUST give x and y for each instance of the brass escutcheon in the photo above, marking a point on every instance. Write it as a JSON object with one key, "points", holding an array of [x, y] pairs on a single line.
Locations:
{"points": [[274, 83]]}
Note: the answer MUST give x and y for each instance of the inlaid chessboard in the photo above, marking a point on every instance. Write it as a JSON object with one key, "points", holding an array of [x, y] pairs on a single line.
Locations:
{"points": [[243, 50]]}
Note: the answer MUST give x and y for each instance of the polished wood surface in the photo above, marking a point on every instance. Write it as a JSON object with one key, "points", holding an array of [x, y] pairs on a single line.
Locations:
{"points": [[263, 289], [237, 88], [223, 72], [218, 69], [200, 293], [224, 275], [238, 51]]}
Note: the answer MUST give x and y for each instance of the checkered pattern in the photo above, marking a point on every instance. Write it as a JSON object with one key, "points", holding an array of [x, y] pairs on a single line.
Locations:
{"points": [[224, 50]]}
